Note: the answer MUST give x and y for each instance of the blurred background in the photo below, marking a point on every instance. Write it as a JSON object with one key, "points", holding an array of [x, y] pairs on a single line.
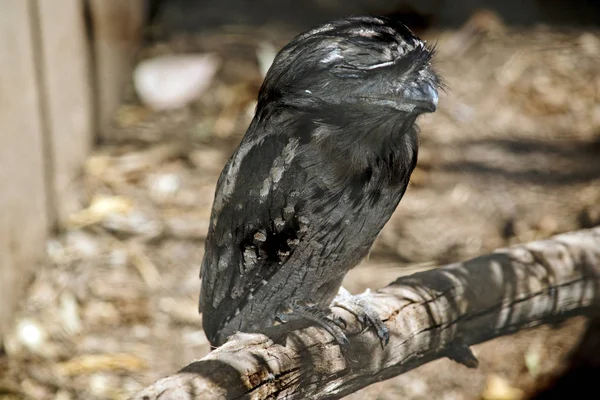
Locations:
{"points": [[118, 116]]}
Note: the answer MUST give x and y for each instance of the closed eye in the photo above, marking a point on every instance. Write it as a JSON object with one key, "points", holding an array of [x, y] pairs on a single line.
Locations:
{"points": [[346, 70], [345, 67], [380, 65], [349, 67]]}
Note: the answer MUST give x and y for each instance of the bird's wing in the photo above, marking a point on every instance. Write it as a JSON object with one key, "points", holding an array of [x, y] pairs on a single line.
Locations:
{"points": [[254, 224]]}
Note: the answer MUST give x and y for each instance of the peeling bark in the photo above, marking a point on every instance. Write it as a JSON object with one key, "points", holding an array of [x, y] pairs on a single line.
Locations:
{"points": [[431, 314]]}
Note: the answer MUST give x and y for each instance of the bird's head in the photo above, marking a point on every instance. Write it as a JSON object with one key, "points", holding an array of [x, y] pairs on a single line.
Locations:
{"points": [[364, 61]]}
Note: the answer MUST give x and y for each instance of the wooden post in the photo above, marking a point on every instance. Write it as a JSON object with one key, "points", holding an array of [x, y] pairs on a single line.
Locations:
{"points": [[117, 32], [64, 71], [23, 208], [47, 116]]}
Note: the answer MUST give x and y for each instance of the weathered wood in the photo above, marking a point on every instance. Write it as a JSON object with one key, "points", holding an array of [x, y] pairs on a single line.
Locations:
{"points": [[23, 221], [432, 314], [117, 32], [64, 69], [46, 116]]}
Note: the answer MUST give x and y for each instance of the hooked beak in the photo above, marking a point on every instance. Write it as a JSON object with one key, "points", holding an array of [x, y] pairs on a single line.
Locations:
{"points": [[423, 95]]}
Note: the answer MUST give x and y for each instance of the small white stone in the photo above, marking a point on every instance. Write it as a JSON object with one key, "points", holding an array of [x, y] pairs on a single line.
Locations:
{"points": [[31, 334], [100, 384], [162, 186], [170, 82]]}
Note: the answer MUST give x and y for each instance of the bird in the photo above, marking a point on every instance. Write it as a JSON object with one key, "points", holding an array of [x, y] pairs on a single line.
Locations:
{"points": [[321, 168]]}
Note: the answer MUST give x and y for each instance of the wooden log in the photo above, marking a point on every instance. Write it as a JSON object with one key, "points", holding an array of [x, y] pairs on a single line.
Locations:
{"points": [[431, 314]]}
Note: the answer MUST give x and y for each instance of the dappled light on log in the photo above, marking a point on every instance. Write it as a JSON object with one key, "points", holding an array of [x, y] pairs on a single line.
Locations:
{"points": [[432, 314]]}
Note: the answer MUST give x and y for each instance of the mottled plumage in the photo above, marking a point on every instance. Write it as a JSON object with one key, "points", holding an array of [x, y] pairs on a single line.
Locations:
{"points": [[323, 165]]}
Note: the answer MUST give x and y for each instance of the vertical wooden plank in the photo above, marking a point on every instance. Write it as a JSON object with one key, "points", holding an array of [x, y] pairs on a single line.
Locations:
{"points": [[23, 221], [65, 80], [117, 33]]}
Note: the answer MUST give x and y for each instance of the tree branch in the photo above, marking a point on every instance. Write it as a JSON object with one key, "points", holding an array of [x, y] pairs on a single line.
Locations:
{"points": [[431, 314]]}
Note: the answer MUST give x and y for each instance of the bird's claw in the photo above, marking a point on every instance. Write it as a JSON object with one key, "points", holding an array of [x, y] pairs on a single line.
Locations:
{"points": [[359, 307], [322, 317]]}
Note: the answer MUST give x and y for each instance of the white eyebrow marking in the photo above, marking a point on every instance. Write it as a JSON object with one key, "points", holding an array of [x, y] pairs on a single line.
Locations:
{"points": [[380, 65], [363, 32]]}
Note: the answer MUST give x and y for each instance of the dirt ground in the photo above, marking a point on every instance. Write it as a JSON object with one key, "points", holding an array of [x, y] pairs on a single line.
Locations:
{"points": [[512, 154]]}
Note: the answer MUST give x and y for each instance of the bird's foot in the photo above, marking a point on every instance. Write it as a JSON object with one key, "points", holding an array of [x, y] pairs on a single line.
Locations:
{"points": [[359, 306], [320, 316]]}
